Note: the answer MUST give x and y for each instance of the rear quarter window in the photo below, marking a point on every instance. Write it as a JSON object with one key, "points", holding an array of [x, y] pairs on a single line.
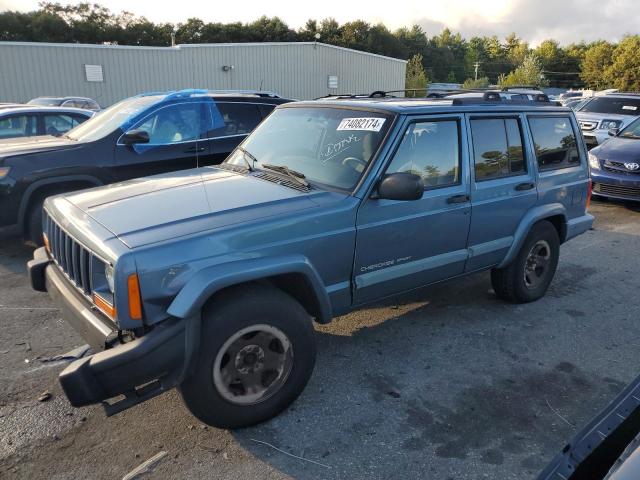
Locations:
{"points": [[555, 142]]}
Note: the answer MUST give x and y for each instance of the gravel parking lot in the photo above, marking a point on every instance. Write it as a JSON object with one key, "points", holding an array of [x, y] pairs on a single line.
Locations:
{"points": [[447, 382]]}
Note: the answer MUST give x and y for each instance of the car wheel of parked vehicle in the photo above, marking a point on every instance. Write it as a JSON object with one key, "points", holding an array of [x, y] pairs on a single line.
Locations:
{"points": [[528, 277], [257, 353], [34, 224]]}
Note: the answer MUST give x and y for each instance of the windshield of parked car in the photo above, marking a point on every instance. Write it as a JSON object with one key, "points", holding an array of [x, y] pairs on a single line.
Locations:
{"points": [[330, 146], [45, 102], [615, 105], [107, 121], [632, 130]]}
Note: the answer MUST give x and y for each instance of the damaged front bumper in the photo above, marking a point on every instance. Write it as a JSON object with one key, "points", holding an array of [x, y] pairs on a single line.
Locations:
{"points": [[136, 370]]}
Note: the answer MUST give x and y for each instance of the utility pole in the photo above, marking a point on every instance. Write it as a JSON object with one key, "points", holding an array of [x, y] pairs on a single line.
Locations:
{"points": [[476, 66]]}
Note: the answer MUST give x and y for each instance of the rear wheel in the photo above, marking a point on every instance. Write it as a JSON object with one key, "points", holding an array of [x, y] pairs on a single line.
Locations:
{"points": [[257, 353], [528, 277]]}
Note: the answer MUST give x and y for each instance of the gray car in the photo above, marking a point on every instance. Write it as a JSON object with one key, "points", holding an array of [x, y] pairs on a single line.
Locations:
{"points": [[607, 112], [73, 102]]}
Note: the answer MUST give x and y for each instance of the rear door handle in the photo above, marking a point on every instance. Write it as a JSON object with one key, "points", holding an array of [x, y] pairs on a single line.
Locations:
{"points": [[525, 186], [194, 150], [458, 199]]}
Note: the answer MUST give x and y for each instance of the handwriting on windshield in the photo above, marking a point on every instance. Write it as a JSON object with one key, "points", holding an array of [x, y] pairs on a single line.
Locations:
{"points": [[331, 150]]}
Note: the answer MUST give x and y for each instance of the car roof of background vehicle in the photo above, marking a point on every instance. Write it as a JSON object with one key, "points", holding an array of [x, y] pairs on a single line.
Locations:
{"points": [[473, 103], [41, 109], [167, 96]]}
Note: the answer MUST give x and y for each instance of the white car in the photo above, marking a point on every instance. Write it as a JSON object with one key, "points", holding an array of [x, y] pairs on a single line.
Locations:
{"points": [[30, 121]]}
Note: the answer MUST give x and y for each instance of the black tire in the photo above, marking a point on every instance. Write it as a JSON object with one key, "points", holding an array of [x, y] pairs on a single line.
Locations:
{"points": [[232, 311], [511, 283], [33, 231]]}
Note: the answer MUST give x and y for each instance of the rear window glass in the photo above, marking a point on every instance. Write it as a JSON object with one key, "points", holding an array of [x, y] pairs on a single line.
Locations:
{"points": [[239, 119], [555, 142], [614, 105], [497, 148]]}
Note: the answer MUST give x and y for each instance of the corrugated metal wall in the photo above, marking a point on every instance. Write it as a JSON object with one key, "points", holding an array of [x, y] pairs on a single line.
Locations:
{"points": [[295, 70]]}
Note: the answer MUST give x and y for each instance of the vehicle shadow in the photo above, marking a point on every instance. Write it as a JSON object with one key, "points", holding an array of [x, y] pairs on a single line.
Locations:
{"points": [[435, 380], [14, 254]]}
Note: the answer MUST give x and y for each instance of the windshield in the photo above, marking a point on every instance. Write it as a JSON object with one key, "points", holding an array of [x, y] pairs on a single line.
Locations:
{"points": [[632, 130], [329, 146], [107, 121], [615, 105], [45, 102]]}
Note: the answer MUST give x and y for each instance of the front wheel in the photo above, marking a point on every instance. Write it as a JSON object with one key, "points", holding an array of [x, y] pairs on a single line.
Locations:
{"points": [[528, 277], [257, 353]]}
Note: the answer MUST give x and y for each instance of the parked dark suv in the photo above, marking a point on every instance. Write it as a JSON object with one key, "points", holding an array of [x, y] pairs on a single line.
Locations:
{"points": [[143, 135]]}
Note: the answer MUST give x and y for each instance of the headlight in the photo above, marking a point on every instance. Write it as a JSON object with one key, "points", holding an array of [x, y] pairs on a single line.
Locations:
{"points": [[4, 171], [108, 273], [609, 124], [593, 161]]}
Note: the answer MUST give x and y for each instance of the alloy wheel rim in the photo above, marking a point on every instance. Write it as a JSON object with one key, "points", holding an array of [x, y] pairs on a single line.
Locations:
{"points": [[253, 364], [537, 264]]}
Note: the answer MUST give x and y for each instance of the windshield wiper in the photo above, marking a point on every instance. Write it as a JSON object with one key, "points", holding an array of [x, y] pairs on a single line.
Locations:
{"points": [[296, 176], [244, 157]]}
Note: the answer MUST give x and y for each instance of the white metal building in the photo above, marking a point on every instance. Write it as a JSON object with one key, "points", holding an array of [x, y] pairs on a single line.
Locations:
{"points": [[108, 73]]}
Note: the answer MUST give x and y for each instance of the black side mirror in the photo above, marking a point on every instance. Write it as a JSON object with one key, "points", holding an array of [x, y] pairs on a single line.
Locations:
{"points": [[133, 137], [613, 132], [401, 186]]}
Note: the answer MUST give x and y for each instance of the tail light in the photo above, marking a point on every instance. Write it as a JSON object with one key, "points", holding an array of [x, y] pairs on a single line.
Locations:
{"points": [[589, 191]]}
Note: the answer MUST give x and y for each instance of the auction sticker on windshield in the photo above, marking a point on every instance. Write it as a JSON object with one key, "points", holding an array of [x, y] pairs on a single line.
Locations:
{"points": [[369, 124]]}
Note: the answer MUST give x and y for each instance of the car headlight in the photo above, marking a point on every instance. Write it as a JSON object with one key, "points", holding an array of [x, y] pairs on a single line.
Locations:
{"points": [[108, 273], [4, 171], [593, 161], [609, 124]]}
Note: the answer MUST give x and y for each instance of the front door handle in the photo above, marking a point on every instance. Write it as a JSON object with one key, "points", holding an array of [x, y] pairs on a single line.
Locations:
{"points": [[194, 150], [525, 186], [458, 199]]}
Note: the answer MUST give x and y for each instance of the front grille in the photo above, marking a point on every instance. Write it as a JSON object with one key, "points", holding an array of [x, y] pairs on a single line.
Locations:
{"points": [[72, 258], [617, 191], [618, 167]]}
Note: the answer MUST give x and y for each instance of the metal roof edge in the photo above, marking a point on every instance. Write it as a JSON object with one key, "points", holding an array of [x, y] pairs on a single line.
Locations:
{"points": [[195, 45]]}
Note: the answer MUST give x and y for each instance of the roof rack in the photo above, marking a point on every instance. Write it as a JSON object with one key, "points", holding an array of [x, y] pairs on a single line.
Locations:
{"points": [[632, 94], [494, 97], [188, 92], [521, 87]]}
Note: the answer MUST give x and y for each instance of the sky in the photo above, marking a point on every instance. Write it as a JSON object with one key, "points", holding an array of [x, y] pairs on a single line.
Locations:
{"points": [[533, 20]]}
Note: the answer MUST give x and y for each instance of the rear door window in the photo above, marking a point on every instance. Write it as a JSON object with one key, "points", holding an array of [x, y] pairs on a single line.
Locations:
{"points": [[16, 126], [497, 148], [239, 119], [58, 124], [555, 142]]}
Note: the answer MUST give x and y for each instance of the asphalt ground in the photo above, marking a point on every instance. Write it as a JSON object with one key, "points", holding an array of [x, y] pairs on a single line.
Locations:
{"points": [[447, 382]]}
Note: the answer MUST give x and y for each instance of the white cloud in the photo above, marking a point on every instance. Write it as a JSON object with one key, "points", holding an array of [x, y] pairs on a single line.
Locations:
{"points": [[534, 20]]}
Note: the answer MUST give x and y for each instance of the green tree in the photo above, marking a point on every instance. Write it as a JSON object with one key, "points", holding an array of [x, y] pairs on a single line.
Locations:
{"points": [[529, 73], [482, 82], [416, 78], [595, 65], [624, 71]]}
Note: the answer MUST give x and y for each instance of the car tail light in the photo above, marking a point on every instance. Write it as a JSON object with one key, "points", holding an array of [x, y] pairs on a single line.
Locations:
{"points": [[589, 191], [106, 307], [135, 303]]}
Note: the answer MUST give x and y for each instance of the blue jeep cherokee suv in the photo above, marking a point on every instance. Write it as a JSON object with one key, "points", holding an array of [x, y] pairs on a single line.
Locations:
{"points": [[209, 279]]}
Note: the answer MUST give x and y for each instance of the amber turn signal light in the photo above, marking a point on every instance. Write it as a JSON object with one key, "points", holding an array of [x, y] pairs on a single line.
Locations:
{"points": [[106, 308], [45, 240], [135, 303]]}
